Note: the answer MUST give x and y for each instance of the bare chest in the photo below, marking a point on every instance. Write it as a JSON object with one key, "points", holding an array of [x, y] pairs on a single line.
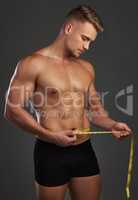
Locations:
{"points": [[69, 77]]}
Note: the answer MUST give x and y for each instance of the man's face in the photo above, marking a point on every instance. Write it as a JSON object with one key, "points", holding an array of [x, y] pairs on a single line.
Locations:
{"points": [[79, 36]]}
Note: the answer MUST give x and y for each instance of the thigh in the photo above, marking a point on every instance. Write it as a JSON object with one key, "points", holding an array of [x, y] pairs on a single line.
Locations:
{"points": [[49, 166], [82, 188], [50, 193]]}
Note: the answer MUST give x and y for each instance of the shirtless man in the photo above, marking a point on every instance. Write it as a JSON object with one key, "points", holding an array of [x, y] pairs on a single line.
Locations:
{"points": [[56, 80]]}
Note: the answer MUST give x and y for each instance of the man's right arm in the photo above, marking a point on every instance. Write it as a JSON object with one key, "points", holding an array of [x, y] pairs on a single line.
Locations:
{"points": [[21, 89]]}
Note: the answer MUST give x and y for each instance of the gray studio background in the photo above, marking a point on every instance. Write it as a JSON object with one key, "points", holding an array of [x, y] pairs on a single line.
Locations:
{"points": [[29, 25]]}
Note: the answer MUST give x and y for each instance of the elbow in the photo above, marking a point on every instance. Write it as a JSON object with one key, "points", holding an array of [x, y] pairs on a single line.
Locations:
{"points": [[8, 113]]}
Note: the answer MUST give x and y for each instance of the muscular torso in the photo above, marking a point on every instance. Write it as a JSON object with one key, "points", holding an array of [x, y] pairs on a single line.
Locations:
{"points": [[60, 95]]}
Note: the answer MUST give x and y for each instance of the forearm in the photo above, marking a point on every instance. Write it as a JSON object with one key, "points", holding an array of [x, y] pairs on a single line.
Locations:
{"points": [[100, 117], [24, 120], [103, 122]]}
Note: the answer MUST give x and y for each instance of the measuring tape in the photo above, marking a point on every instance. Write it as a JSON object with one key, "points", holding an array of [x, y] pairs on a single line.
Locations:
{"points": [[131, 156]]}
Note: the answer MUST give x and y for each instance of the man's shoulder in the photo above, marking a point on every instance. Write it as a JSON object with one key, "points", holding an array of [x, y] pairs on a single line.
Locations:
{"points": [[88, 65], [33, 59], [31, 62]]}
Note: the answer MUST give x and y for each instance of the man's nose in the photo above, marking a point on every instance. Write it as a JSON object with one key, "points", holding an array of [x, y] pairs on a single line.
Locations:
{"points": [[86, 46]]}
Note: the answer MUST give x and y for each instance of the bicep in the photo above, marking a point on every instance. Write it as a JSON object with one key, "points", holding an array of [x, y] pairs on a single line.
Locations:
{"points": [[19, 92], [93, 95], [22, 84], [95, 102]]}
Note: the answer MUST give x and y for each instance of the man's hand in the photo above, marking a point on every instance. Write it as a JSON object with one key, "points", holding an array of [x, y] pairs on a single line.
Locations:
{"points": [[121, 130], [63, 138]]}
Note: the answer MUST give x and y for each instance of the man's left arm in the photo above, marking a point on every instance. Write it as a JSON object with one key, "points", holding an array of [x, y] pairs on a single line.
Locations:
{"points": [[100, 117]]}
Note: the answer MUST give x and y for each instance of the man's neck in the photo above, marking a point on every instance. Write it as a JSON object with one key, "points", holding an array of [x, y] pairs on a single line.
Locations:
{"points": [[58, 50]]}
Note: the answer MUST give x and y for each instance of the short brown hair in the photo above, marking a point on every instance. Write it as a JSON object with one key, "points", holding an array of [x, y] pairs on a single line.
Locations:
{"points": [[86, 13]]}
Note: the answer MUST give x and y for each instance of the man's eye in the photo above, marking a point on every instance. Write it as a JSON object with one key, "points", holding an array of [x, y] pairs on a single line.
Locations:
{"points": [[84, 39]]}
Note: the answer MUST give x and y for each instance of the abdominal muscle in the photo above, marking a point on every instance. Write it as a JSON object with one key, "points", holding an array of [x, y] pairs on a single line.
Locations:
{"points": [[59, 119]]}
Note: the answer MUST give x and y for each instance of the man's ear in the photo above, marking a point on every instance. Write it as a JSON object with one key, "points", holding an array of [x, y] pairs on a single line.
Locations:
{"points": [[68, 28]]}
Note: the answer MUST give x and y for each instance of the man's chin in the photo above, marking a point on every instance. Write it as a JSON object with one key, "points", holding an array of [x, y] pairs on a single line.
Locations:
{"points": [[77, 55]]}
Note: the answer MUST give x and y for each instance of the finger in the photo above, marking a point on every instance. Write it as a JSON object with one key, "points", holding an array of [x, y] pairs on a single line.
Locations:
{"points": [[77, 132], [130, 131], [127, 128], [127, 133], [70, 133], [116, 132], [73, 138], [124, 136], [124, 133]]}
